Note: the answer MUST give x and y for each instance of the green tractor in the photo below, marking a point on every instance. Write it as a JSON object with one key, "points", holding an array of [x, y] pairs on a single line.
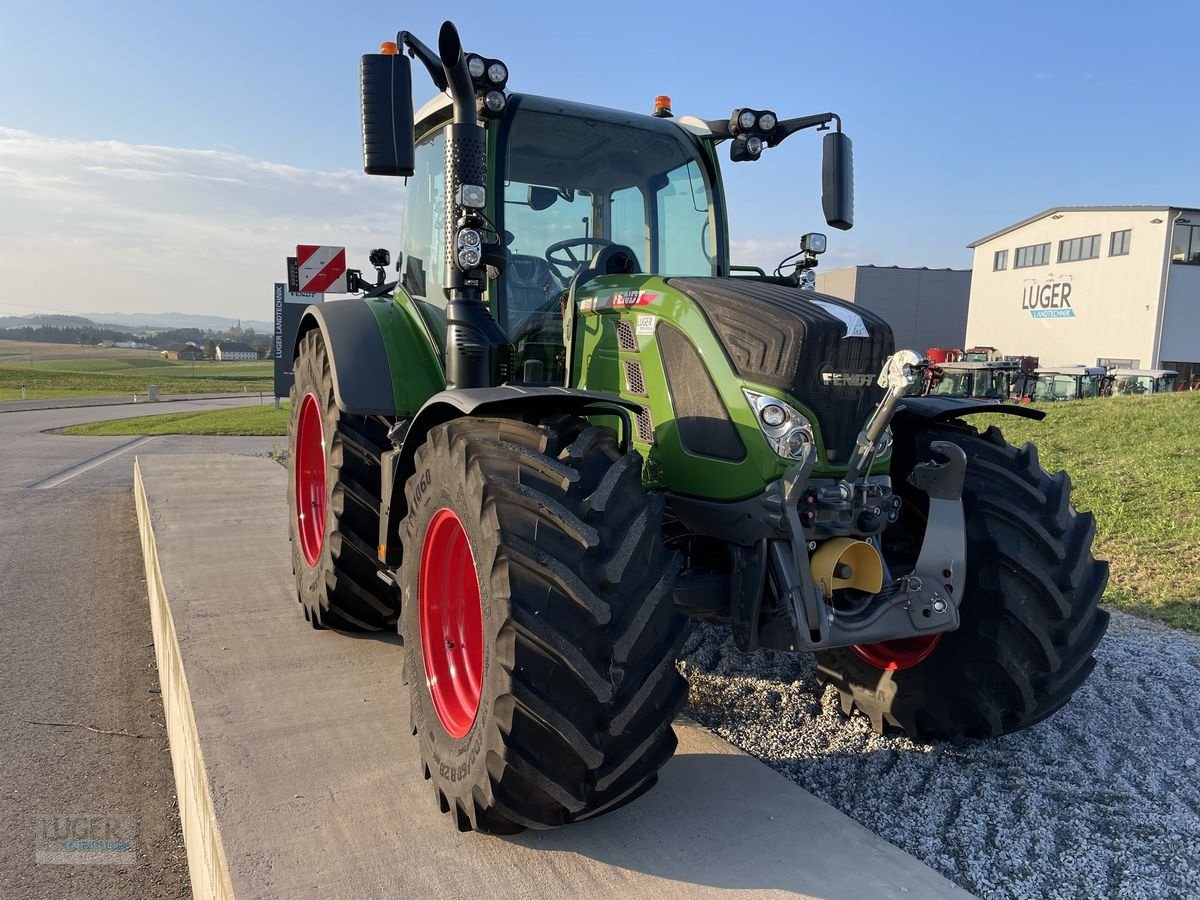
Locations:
{"points": [[572, 426]]}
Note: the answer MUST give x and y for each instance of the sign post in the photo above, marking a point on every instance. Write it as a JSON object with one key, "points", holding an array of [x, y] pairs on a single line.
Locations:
{"points": [[289, 307]]}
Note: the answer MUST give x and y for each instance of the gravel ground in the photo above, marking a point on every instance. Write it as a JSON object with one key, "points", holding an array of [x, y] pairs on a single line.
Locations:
{"points": [[1100, 800]]}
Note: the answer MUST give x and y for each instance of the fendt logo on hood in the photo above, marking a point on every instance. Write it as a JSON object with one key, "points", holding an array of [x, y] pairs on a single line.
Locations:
{"points": [[846, 379], [619, 300]]}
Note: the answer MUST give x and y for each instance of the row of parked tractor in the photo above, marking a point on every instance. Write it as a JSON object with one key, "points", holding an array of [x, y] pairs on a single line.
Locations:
{"points": [[983, 373]]}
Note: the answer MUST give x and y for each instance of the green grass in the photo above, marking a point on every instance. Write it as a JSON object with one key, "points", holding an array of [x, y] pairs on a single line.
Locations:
{"points": [[103, 374], [1135, 463], [259, 421]]}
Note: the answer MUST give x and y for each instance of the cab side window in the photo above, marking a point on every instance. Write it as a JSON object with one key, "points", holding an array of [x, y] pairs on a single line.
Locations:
{"points": [[422, 236]]}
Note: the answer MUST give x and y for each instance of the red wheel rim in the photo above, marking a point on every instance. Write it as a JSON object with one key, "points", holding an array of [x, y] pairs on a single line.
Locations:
{"points": [[310, 479], [893, 656], [451, 621]]}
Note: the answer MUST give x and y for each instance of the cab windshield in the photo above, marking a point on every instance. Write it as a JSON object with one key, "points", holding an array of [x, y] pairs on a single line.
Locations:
{"points": [[577, 179], [1056, 387]]}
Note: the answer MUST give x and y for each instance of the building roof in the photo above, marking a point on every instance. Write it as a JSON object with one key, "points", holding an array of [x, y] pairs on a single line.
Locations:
{"points": [[1061, 209], [235, 347]]}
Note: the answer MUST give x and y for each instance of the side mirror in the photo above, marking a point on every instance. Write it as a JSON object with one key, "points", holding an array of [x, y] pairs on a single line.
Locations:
{"points": [[837, 180], [542, 197], [387, 114]]}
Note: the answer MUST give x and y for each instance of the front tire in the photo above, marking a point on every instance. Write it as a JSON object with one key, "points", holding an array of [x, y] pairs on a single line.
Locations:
{"points": [[333, 502], [539, 634], [1029, 616]]}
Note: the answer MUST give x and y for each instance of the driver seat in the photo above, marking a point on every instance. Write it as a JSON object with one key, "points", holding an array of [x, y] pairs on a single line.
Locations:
{"points": [[615, 259], [530, 287]]}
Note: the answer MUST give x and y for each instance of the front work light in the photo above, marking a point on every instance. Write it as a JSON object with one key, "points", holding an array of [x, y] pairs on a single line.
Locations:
{"points": [[497, 73]]}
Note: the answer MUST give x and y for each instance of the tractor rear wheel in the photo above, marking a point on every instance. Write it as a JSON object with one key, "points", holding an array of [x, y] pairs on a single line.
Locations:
{"points": [[539, 633], [1029, 616], [333, 499]]}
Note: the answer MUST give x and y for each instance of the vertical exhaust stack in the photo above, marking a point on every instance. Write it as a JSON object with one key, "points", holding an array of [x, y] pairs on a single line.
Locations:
{"points": [[472, 335]]}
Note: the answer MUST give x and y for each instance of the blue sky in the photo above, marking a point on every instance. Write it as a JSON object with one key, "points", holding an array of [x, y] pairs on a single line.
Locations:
{"points": [[166, 155]]}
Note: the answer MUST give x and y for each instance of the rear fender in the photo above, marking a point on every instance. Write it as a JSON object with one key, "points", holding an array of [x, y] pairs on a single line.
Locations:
{"points": [[381, 357]]}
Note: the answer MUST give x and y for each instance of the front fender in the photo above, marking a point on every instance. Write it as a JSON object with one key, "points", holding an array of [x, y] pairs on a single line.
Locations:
{"points": [[945, 409], [507, 400]]}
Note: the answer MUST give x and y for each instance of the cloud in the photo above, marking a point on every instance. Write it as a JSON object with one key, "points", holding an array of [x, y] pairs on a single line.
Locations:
{"points": [[101, 225]]}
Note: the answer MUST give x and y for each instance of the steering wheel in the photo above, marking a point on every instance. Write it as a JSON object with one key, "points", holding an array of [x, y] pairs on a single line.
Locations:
{"points": [[567, 265]]}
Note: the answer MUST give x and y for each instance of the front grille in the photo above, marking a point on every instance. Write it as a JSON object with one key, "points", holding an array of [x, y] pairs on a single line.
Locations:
{"points": [[626, 340], [635, 383], [645, 427]]}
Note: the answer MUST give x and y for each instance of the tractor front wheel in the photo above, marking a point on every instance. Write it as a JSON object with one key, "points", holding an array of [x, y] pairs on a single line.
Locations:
{"points": [[539, 635], [1029, 615]]}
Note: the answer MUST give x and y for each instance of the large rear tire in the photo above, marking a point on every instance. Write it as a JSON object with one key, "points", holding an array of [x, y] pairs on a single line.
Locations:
{"points": [[539, 633], [333, 500], [1029, 616]]}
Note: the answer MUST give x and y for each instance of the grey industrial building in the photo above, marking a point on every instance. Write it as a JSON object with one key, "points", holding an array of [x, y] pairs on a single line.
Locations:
{"points": [[925, 307]]}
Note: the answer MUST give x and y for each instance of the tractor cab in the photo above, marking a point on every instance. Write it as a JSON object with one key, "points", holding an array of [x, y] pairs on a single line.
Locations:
{"points": [[1143, 381], [574, 192], [1047, 385]]}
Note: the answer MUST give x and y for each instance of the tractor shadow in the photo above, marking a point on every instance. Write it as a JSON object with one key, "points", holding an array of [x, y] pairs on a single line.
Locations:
{"points": [[726, 821]]}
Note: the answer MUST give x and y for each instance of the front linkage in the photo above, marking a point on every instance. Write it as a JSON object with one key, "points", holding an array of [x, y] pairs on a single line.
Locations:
{"points": [[817, 543]]}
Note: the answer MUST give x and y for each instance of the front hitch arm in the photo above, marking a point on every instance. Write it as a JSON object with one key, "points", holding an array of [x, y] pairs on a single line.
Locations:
{"points": [[922, 602]]}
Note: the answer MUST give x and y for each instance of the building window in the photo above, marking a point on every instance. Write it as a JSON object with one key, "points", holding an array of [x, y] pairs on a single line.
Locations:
{"points": [[1186, 245], [1118, 243], [1079, 248], [1000, 262], [1034, 255]]}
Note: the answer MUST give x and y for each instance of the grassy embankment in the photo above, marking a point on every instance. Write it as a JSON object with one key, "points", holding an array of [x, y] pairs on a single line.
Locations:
{"points": [[49, 371], [1134, 462]]}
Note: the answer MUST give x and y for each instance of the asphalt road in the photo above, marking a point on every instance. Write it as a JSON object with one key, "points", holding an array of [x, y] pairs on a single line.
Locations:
{"points": [[76, 658]]}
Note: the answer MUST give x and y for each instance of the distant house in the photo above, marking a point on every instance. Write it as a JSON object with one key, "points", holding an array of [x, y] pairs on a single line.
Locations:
{"points": [[232, 351], [183, 351]]}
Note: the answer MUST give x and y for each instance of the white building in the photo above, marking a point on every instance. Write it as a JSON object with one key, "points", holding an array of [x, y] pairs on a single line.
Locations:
{"points": [[1093, 285], [232, 351], [925, 307]]}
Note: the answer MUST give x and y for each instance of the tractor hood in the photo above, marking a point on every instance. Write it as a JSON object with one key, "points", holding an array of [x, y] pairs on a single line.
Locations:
{"points": [[822, 351]]}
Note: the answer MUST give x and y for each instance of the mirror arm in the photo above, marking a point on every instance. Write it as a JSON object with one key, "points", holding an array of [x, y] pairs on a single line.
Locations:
{"points": [[430, 60], [787, 127]]}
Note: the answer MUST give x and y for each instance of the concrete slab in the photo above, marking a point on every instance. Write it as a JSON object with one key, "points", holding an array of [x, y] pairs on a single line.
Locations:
{"points": [[297, 775]]}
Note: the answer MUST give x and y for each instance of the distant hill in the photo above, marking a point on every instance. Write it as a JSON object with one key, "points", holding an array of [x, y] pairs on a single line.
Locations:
{"points": [[172, 320], [47, 321]]}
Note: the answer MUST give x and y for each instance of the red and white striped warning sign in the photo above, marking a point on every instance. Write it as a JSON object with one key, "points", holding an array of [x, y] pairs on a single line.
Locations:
{"points": [[321, 269]]}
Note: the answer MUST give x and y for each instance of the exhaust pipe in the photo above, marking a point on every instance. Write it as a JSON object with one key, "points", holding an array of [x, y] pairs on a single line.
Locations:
{"points": [[472, 335]]}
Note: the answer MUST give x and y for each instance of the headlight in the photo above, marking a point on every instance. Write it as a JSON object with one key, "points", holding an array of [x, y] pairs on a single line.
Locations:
{"points": [[469, 252], [773, 415], [476, 66], [746, 120], [754, 145], [497, 73], [766, 122], [494, 101], [786, 430]]}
